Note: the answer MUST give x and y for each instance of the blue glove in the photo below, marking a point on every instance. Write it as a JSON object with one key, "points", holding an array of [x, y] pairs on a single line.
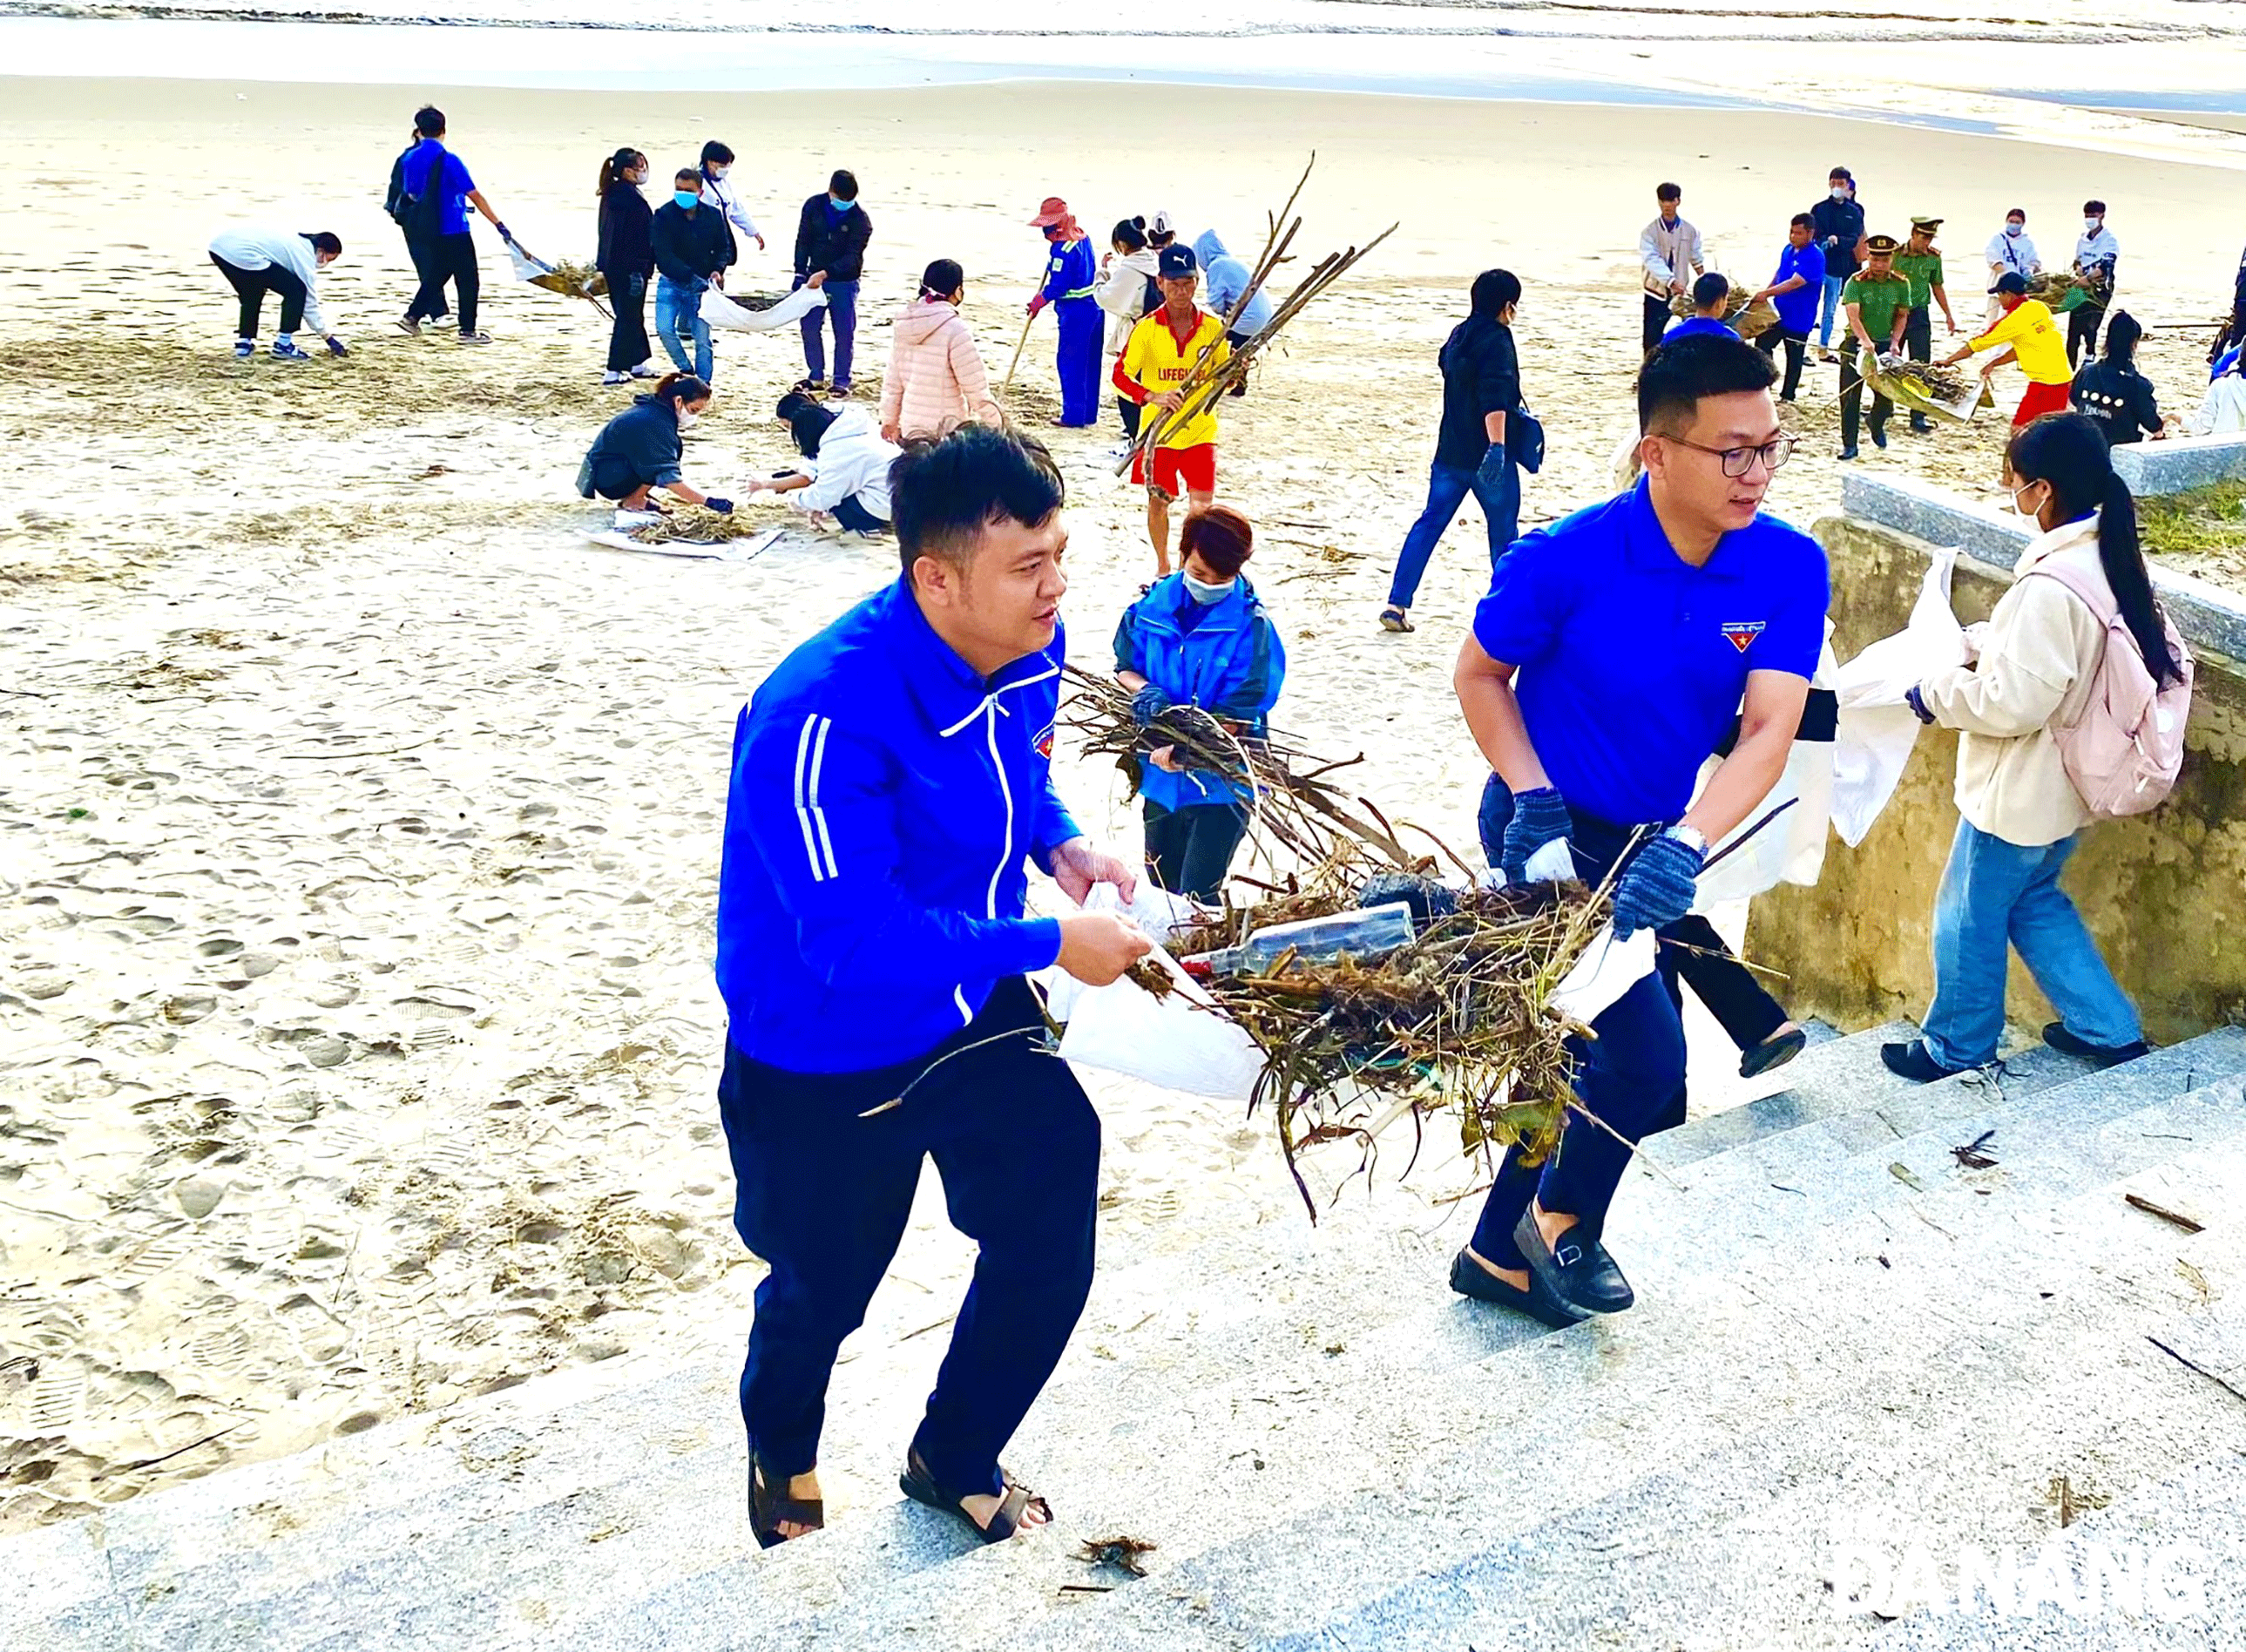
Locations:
{"points": [[722, 506], [1150, 703], [1914, 698], [1657, 886], [336, 346], [502, 227], [1491, 471], [1539, 817]]}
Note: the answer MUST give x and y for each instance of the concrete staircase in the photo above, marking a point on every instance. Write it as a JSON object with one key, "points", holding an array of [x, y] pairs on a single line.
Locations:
{"points": [[1837, 1322]]}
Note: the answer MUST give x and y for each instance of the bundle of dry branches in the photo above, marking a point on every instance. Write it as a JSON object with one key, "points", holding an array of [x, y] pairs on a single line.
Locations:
{"points": [[1209, 379], [2064, 290], [1743, 314]]}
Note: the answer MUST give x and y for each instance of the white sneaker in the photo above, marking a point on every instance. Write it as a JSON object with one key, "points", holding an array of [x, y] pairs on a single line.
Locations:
{"points": [[647, 370], [627, 520], [614, 377]]}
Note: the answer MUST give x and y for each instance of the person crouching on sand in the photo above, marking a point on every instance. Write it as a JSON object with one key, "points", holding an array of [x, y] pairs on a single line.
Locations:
{"points": [[1201, 638], [640, 449], [1163, 351], [891, 786], [848, 461]]}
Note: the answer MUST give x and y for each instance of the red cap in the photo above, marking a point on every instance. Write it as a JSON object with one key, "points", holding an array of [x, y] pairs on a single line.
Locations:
{"points": [[1051, 212]]}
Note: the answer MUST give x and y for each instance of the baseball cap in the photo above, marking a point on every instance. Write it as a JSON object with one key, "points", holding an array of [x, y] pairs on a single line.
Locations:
{"points": [[1050, 213], [1162, 224], [1179, 261], [2012, 281]]}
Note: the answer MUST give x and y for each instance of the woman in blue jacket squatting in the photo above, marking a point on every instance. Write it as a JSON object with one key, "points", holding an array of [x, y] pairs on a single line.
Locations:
{"points": [[1200, 638], [892, 785]]}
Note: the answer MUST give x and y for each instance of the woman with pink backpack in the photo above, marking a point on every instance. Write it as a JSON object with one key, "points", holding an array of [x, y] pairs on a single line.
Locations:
{"points": [[2072, 708]]}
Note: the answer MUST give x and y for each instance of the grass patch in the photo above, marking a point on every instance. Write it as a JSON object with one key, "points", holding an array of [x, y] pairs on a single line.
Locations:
{"points": [[2203, 521]]}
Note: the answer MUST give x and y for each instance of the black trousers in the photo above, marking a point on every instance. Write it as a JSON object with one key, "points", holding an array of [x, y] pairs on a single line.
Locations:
{"points": [[1693, 955], [1130, 412], [628, 345], [1190, 850], [823, 1192], [419, 252], [1796, 345], [1852, 397], [447, 258], [1919, 344], [250, 286], [1657, 321], [2082, 324], [613, 477]]}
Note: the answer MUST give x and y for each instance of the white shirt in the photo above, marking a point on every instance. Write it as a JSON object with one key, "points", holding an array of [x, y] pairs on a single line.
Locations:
{"points": [[726, 194], [2013, 253], [1668, 251], [2096, 249], [246, 248]]}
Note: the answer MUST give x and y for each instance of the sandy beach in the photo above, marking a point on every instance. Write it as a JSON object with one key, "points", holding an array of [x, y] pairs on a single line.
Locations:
{"points": [[359, 818]]}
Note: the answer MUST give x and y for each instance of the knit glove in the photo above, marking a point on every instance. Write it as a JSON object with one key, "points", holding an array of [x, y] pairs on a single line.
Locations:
{"points": [[1149, 703], [1539, 819], [1491, 471], [1657, 886], [722, 506]]}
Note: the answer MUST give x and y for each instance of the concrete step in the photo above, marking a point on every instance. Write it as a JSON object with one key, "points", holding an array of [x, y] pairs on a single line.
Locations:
{"points": [[1313, 1428], [1948, 1448], [1153, 1321]]}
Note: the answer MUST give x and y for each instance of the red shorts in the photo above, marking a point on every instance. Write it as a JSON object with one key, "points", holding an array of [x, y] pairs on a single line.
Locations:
{"points": [[2041, 399], [1180, 470]]}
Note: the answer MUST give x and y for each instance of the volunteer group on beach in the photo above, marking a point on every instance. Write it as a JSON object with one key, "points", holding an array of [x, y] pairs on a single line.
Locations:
{"points": [[1635, 678]]}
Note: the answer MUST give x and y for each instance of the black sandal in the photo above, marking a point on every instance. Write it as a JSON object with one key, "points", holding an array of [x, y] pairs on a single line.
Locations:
{"points": [[769, 1510], [1393, 619], [919, 1485]]}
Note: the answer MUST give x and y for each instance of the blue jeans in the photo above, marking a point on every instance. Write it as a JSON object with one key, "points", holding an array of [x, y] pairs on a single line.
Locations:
{"points": [[1447, 488], [672, 304], [1833, 285], [1995, 893], [842, 311]]}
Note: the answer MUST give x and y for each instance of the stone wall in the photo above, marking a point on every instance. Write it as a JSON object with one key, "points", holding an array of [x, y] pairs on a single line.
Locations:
{"points": [[2165, 894]]}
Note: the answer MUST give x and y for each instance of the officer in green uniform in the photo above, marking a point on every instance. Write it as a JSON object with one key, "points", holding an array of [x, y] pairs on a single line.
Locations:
{"points": [[1877, 303], [1920, 264]]}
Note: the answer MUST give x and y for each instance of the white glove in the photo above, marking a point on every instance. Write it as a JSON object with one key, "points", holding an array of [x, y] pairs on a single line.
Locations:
{"points": [[1553, 863]]}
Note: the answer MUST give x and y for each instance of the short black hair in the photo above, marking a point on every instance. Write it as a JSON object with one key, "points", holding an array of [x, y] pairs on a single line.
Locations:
{"points": [[2021, 212], [1802, 221], [1841, 173], [689, 175], [325, 240], [1492, 290], [1676, 377], [843, 183], [429, 120], [943, 493], [716, 154], [1712, 289], [1668, 192], [2096, 207]]}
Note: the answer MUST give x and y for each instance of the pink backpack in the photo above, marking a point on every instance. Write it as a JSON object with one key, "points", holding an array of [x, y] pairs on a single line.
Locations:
{"points": [[2125, 750]]}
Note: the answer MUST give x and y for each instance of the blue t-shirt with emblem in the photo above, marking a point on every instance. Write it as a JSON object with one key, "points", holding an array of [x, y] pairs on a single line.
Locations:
{"points": [[1632, 662]]}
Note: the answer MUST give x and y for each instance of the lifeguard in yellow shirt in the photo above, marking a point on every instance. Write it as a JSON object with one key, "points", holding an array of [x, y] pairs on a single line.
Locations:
{"points": [[1161, 356], [2036, 343]]}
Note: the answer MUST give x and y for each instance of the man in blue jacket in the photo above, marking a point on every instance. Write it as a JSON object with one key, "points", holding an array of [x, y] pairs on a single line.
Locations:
{"points": [[1200, 638], [692, 246], [891, 781]]}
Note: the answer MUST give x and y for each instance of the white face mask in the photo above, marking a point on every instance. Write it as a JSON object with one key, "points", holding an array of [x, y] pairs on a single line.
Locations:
{"points": [[1840, 192], [719, 172], [1207, 595], [2090, 225], [686, 419], [2019, 509], [2016, 230]]}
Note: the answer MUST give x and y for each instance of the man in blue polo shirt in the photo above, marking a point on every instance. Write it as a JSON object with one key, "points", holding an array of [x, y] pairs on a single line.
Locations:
{"points": [[1793, 292], [1711, 298], [434, 209], [1606, 665], [891, 781]]}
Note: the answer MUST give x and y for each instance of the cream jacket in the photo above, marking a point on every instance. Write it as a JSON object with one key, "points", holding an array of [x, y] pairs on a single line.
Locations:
{"points": [[2038, 658]]}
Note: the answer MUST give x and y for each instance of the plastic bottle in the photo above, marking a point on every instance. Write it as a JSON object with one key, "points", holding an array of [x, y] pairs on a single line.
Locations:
{"points": [[1366, 933]]}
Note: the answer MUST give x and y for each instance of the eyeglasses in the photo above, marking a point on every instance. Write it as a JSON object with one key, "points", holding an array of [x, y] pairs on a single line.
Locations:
{"points": [[1738, 461]]}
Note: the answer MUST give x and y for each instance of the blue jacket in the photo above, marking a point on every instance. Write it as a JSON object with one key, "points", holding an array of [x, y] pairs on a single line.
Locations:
{"points": [[1071, 272], [1226, 658], [884, 801], [1228, 278]]}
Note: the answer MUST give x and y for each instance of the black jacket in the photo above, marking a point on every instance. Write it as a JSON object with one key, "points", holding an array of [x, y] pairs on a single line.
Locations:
{"points": [[2119, 398], [643, 439], [1482, 375], [627, 241], [839, 249], [1844, 222], [690, 250], [394, 202]]}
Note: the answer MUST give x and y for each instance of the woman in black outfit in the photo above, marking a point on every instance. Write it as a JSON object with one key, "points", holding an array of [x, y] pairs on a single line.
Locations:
{"points": [[2111, 390], [627, 259]]}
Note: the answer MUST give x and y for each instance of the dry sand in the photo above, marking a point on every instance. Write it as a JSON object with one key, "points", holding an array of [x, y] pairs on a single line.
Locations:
{"points": [[358, 821]]}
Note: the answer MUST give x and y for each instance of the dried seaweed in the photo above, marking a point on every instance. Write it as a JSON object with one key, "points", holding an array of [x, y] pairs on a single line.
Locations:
{"points": [[694, 525]]}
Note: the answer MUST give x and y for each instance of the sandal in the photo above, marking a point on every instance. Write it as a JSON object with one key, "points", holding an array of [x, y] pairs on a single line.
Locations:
{"points": [[1393, 619], [770, 1510], [919, 1485]]}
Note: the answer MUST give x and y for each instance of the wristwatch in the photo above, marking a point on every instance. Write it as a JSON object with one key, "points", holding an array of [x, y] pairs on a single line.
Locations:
{"points": [[1691, 837]]}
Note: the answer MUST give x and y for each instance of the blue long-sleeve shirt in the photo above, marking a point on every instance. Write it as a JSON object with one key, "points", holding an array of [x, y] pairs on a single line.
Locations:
{"points": [[1225, 657], [1071, 272], [886, 802]]}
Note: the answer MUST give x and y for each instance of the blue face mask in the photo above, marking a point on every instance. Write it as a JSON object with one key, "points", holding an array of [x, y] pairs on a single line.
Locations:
{"points": [[1207, 595], [841, 206], [686, 198]]}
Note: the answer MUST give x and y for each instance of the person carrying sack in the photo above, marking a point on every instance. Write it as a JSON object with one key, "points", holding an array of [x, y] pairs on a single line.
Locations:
{"points": [[2072, 708]]}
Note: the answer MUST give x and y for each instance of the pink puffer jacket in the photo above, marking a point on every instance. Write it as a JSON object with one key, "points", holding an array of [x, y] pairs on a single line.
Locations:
{"points": [[936, 381]]}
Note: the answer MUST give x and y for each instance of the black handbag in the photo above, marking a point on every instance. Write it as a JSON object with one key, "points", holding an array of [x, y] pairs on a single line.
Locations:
{"points": [[1525, 439]]}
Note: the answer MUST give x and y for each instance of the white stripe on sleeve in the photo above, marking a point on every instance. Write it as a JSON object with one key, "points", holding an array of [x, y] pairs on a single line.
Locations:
{"points": [[818, 815], [803, 793]]}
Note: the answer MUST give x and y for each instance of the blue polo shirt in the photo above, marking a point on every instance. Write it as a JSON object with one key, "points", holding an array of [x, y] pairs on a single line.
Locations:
{"points": [[1797, 311], [1697, 327], [453, 186], [1632, 662]]}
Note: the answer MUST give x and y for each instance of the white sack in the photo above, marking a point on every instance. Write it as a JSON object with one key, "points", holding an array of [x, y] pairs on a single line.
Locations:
{"points": [[721, 311], [1877, 729]]}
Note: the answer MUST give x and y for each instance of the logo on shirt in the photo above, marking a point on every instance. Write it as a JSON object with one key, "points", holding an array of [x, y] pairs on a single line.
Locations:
{"points": [[1741, 633], [1044, 743]]}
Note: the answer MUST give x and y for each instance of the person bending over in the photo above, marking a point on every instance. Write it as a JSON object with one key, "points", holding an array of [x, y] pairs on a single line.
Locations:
{"points": [[844, 481], [640, 449]]}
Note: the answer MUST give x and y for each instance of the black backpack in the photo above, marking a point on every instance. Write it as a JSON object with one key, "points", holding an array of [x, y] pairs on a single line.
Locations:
{"points": [[420, 216]]}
